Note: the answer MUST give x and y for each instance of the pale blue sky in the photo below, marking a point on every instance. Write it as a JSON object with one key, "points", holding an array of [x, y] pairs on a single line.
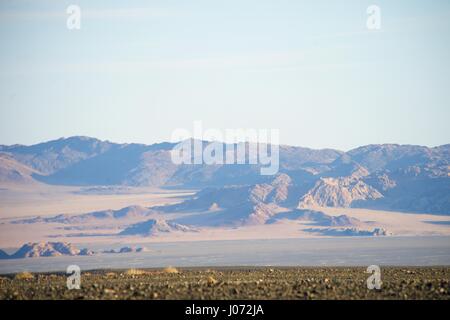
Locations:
{"points": [[137, 70]]}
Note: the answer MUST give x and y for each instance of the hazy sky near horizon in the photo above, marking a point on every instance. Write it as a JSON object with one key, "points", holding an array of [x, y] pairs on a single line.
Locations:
{"points": [[138, 70]]}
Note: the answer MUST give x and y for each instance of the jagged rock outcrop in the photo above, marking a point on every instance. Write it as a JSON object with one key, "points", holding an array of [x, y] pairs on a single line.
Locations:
{"points": [[318, 218], [275, 192], [338, 192], [350, 232], [48, 249], [261, 213], [127, 250], [86, 252], [381, 182], [237, 205], [154, 227]]}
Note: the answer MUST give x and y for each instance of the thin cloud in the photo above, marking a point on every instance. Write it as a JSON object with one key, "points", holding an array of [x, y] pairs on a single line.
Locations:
{"points": [[94, 14], [244, 61]]}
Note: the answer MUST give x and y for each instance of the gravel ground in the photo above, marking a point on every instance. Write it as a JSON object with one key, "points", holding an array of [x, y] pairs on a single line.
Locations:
{"points": [[233, 283]]}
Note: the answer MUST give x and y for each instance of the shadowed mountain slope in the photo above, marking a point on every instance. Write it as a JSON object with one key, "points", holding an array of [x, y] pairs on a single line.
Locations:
{"points": [[12, 171]]}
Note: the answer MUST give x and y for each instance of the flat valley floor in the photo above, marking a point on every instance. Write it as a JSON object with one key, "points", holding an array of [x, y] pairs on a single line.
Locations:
{"points": [[398, 283], [43, 200]]}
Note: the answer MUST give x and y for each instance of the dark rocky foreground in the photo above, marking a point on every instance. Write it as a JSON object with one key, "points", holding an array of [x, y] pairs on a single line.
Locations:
{"points": [[233, 283]]}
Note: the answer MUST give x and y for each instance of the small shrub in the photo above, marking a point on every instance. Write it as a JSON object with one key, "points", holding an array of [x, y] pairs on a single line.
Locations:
{"points": [[24, 276], [170, 270], [135, 272], [211, 281]]}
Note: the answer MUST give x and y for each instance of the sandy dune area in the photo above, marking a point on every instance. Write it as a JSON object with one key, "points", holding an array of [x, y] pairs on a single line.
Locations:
{"points": [[22, 201]]}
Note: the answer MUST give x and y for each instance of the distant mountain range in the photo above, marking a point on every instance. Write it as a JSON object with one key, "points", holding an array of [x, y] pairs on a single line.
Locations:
{"points": [[124, 213], [389, 176]]}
